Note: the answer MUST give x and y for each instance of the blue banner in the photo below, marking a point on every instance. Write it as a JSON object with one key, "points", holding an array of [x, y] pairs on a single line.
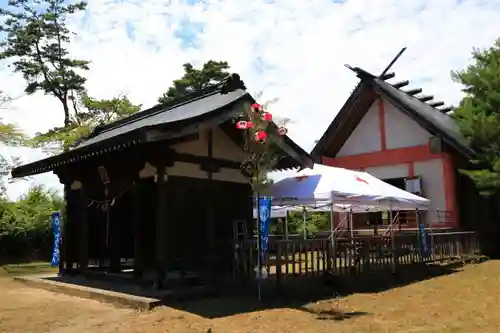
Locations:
{"points": [[265, 216], [56, 228], [424, 246]]}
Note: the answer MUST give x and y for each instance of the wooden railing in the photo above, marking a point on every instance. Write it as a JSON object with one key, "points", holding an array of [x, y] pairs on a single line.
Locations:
{"points": [[343, 256]]}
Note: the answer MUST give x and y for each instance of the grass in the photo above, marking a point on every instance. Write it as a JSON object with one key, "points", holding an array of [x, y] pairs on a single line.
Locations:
{"points": [[465, 301], [26, 269]]}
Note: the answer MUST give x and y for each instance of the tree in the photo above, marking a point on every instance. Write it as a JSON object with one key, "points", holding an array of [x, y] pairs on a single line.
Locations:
{"points": [[25, 224], [90, 113], [196, 79], [36, 41], [478, 116]]}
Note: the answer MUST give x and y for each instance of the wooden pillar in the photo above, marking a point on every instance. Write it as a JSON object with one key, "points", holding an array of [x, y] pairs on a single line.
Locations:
{"points": [[83, 229], [210, 212], [63, 245], [161, 227], [138, 230], [113, 217], [67, 259], [66, 253]]}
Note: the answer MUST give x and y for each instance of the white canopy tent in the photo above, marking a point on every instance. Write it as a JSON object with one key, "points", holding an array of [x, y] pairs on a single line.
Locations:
{"points": [[324, 185], [325, 188], [281, 211]]}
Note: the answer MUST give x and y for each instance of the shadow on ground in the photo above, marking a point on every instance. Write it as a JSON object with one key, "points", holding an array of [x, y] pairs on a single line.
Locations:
{"points": [[294, 292], [298, 292]]}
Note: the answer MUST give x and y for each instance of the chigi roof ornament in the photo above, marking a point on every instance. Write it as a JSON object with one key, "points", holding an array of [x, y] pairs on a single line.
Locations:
{"points": [[386, 75]]}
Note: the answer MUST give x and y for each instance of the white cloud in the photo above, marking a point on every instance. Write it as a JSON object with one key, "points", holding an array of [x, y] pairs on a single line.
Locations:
{"points": [[300, 45]]}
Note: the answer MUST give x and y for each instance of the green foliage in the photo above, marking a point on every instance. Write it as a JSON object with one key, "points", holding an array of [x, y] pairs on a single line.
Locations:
{"points": [[196, 79], [11, 135], [25, 224], [478, 116], [103, 111], [315, 222], [36, 39], [91, 113]]}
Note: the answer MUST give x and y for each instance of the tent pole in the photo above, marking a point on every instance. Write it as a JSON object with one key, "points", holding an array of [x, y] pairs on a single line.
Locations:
{"points": [[431, 234], [286, 225], [332, 239], [304, 223], [351, 223], [393, 242], [332, 222]]}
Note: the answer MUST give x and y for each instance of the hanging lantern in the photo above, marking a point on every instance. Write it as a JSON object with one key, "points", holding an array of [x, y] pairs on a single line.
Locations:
{"points": [[260, 136], [282, 131], [266, 116], [243, 124], [256, 107]]}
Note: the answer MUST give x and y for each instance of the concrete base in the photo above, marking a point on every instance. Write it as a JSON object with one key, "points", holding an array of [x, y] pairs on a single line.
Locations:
{"points": [[112, 297]]}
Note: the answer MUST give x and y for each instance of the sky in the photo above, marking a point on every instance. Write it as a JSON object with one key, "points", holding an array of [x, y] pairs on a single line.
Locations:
{"points": [[294, 50]]}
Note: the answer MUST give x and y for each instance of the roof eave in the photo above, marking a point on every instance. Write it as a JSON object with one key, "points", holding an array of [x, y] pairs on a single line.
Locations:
{"points": [[125, 140], [459, 147], [319, 149], [51, 163]]}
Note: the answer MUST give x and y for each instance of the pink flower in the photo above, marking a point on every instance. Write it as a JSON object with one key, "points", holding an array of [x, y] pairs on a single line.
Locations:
{"points": [[267, 116], [256, 107], [260, 136]]}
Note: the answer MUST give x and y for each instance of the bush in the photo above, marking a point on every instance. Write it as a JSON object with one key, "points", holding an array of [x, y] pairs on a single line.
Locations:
{"points": [[25, 228]]}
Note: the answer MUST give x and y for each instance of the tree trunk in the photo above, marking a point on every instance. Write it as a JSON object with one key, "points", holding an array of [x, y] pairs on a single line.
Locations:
{"points": [[67, 121]]}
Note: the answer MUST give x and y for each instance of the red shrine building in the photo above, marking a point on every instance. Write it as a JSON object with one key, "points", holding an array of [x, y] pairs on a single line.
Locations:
{"points": [[403, 138]]}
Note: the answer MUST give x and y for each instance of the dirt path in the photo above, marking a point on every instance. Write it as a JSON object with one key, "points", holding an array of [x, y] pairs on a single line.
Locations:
{"points": [[467, 301]]}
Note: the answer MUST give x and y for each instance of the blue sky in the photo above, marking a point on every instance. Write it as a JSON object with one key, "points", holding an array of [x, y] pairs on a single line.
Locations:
{"points": [[294, 50]]}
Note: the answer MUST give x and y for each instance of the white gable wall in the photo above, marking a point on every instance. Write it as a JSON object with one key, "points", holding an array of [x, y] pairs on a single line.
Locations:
{"points": [[223, 148], [366, 136], [400, 130]]}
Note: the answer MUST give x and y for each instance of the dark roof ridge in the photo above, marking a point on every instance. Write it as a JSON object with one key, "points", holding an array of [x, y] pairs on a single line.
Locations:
{"points": [[434, 119], [365, 75], [230, 83]]}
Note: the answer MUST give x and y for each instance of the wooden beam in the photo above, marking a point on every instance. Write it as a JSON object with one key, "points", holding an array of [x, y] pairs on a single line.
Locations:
{"points": [[413, 92], [207, 162], [436, 104], [401, 84], [154, 135], [388, 76], [426, 98], [446, 109]]}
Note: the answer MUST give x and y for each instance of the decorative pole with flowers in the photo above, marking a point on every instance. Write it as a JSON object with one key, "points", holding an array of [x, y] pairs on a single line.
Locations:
{"points": [[260, 132]]}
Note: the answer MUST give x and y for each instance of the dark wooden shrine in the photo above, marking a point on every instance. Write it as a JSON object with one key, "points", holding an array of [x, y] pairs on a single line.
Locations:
{"points": [[160, 190]]}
